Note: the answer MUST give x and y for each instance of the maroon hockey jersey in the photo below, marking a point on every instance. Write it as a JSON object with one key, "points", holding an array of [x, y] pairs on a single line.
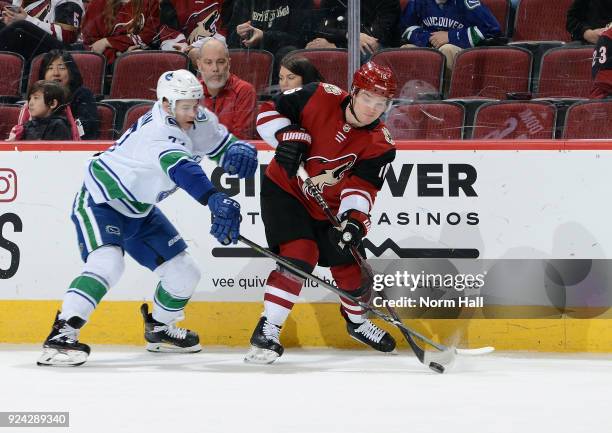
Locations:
{"points": [[193, 20], [128, 29], [348, 164], [602, 66]]}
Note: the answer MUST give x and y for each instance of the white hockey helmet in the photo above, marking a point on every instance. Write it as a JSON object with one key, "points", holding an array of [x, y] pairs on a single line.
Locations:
{"points": [[177, 85]]}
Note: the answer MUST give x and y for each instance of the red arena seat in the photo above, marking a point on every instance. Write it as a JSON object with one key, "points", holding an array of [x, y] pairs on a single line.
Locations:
{"points": [[541, 20], [566, 72], [589, 119], [515, 120], [331, 63], [253, 66], [426, 121], [490, 72]]}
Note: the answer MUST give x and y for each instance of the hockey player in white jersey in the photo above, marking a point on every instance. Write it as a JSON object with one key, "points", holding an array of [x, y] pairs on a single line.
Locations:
{"points": [[115, 212]]}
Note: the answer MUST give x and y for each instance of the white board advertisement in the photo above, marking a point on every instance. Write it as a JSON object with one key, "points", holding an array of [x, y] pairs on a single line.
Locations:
{"points": [[490, 204]]}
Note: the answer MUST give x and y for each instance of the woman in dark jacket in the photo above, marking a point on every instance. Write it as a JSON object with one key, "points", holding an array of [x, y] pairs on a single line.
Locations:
{"points": [[59, 66]]}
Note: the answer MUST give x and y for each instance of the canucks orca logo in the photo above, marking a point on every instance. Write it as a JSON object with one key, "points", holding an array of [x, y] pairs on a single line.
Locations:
{"points": [[169, 76], [171, 121], [471, 4], [201, 116]]}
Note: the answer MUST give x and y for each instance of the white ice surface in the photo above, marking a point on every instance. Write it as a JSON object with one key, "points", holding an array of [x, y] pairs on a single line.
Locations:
{"points": [[129, 390]]}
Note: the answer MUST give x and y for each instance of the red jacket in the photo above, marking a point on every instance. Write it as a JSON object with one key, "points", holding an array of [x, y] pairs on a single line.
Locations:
{"points": [[234, 106], [127, 30]]}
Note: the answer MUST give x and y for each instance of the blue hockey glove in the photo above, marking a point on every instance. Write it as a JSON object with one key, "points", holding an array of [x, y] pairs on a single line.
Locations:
{"points": [[226, 218], [240, 158]]}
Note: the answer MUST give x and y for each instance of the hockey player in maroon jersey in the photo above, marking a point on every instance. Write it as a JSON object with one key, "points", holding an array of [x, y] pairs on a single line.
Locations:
{"points": [[346, 149], [602, 66]]}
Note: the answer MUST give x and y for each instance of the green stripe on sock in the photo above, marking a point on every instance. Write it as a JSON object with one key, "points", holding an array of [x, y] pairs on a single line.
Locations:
{"points": [[90, 286], [168, 301]]}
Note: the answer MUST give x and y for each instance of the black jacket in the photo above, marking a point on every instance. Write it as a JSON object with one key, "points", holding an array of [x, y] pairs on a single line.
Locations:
{"points": [[54, 127], [284, 22], [586, 15], [83, 107], [379, 18]]}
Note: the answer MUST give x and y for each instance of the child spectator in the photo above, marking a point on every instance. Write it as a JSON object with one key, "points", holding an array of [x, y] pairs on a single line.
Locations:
{"points": [[59, 66], [46, 102]]}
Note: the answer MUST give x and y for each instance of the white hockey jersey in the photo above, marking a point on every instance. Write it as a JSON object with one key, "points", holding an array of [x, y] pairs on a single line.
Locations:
{"points": [[133, 174]]}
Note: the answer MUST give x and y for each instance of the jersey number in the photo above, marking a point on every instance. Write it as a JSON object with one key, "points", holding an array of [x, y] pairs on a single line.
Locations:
{"points": [[602, 58]]}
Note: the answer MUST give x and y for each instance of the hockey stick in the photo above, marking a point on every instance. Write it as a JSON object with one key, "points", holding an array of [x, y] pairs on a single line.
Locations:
{"points": [[423, 356], [443, 358], [368, 277]]}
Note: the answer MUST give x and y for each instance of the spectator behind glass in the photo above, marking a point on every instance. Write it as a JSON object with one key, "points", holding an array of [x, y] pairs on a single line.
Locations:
{"points": [[602, 66], [278, 26], [59, 66], [112, 27], [46, 102], [447, 25], [185, 24], [378, 25], [586, 19], [230, 98], [40, 27], [296, 71]]}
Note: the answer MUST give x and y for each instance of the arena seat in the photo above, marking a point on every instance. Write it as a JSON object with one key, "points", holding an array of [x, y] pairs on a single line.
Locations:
{"points": [[565, 72], [11, 69], [332, 64], [107, 114], [9, 114], [253, 66], [133, 114], [426, 121], [541, 20], [589, 119], [501, 11], [515, 120]]}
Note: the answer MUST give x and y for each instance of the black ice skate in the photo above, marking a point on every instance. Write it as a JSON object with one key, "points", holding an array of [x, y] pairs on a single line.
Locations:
{"points": [[370, 334], [265, 343], [62, 347], [168, 338]]}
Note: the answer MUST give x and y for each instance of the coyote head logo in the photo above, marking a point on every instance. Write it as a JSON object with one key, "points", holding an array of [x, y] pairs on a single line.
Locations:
{"points": [[328, 172]]}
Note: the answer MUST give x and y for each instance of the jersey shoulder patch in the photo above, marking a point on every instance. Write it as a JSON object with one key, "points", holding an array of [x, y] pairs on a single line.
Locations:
{"points": [[387, 135], [202, 115], [330, 88], [472, 4]]}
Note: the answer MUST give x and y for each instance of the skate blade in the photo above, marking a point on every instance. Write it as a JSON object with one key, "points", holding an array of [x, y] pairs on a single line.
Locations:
{"points": [[169, 348], [61, 358], [257, 355]]}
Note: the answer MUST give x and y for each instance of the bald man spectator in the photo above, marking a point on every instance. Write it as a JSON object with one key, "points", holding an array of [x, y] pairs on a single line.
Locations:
{"points": [[230, 98]]}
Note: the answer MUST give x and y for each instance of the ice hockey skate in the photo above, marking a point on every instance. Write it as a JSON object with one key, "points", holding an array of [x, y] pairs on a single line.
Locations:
{"points": [[168, 338], [370, 334], [265, 343], [62, 347]]}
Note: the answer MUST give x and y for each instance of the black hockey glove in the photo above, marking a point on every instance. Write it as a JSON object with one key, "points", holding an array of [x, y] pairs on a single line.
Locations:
{"points": [[293, 143], [354, 227]]}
